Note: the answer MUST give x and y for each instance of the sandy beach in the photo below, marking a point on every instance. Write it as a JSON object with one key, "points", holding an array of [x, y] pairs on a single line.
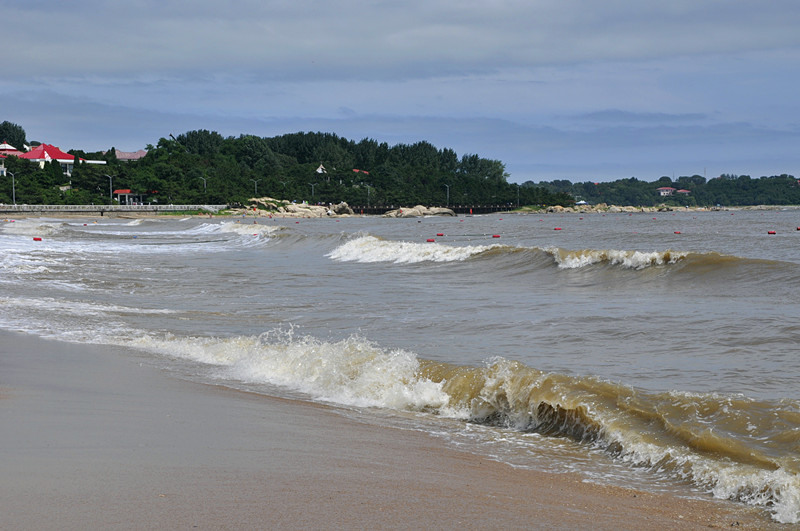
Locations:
{"points": [[98, 438]]}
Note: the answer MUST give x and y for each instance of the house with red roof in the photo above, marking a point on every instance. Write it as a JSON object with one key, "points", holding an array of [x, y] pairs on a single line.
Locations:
{"points": [[8, 149], [665, 190], [44, 153]]}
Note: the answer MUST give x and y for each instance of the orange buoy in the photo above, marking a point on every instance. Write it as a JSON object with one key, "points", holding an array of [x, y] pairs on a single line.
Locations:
{"points": [[677, 232], [495, 235], [771, 232], [440, 234], [431, 240]]}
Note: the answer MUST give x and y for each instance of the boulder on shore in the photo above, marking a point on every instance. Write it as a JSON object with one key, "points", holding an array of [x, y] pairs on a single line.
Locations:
{"points": [[418, 211]]}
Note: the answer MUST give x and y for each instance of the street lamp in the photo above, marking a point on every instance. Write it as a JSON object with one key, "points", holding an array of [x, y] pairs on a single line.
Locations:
{"points": [[448, 194], [13, 188], [517, 195], [312, 189], [255, 184], [204, 183], [110, 190]]}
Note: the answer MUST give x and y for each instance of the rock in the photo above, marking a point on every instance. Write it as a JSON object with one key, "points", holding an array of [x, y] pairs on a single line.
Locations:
{"points": [[418, 211], [342, 209]]}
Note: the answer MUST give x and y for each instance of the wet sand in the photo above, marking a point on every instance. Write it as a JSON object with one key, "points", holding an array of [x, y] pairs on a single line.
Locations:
{"points": [[98, 438]]}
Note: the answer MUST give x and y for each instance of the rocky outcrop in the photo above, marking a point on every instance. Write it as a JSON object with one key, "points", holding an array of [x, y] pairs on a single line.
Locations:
{"points": [[418, 211], [342, 209]]}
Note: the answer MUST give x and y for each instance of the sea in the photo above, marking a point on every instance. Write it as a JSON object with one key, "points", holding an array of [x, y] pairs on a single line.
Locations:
{"points": [[658, 351]]}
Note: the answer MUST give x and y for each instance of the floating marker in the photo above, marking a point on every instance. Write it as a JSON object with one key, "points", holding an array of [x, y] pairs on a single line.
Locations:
{"points": [[37, 239], [771, 232], [495, 235], [677, 232], [440, 234], [431, 240], [557, 228]]}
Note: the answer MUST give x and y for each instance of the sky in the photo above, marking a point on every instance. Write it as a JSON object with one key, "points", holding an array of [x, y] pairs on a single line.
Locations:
{"points": [[556, 89]]}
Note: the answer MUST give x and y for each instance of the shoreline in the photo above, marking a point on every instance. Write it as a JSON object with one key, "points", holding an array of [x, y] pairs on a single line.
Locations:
{"points": [[317, 212], [98, 437]]}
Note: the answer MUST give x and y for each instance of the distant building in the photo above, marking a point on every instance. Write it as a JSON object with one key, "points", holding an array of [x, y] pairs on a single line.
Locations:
{"points": [[684, 192], [665, 191], [44, 153], [128, 156], [8, 149]]}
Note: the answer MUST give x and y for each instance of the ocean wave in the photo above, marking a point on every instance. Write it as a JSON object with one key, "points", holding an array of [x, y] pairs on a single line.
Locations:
{"points": [[34, 227], [369, 249], [626, 259], [730, 446], [245, 229], [705, 267]]}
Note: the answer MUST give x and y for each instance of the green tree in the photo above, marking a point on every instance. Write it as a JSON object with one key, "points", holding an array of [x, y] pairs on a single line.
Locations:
{"points": [[13, 134]]}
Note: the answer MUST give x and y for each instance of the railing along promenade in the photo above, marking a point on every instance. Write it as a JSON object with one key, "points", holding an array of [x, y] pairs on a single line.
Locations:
{"points": [[102, 209]]}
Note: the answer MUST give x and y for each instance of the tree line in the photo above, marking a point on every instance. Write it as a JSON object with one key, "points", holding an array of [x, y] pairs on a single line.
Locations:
{"points": [[204, 167], [725, 190]]}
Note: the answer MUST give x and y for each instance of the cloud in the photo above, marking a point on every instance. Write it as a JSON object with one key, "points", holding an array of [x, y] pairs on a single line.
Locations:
{"points": [[616, 116], [554, 88], [307, 39]]}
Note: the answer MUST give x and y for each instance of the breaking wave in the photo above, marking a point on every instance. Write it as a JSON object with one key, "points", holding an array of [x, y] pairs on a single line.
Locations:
{"points": [[730, 446]]}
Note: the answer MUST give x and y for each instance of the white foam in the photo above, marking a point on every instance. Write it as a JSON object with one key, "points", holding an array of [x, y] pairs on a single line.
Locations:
{"points": [[349, 372], [777, 491], [369, 249], [244, 229], [626, 259]]}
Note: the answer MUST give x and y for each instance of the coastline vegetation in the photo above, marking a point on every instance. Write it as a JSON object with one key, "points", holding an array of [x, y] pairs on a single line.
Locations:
{"points": [[693, 191], [203, 167]]}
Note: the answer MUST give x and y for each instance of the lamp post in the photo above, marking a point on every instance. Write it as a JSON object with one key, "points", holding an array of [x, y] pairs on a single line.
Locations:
{"points": [[110, 190], [448, 195], [255, 185], [312, 189], [517, 195], [204, 184], [13, 188]]}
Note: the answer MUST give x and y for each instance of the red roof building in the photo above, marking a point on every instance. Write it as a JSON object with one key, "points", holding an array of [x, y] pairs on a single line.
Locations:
{"points": [[8, 149], [44, 153], [665, 190]]}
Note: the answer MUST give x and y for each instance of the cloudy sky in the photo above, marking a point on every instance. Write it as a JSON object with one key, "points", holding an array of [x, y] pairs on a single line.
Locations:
{"points": [[556, 89]]}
